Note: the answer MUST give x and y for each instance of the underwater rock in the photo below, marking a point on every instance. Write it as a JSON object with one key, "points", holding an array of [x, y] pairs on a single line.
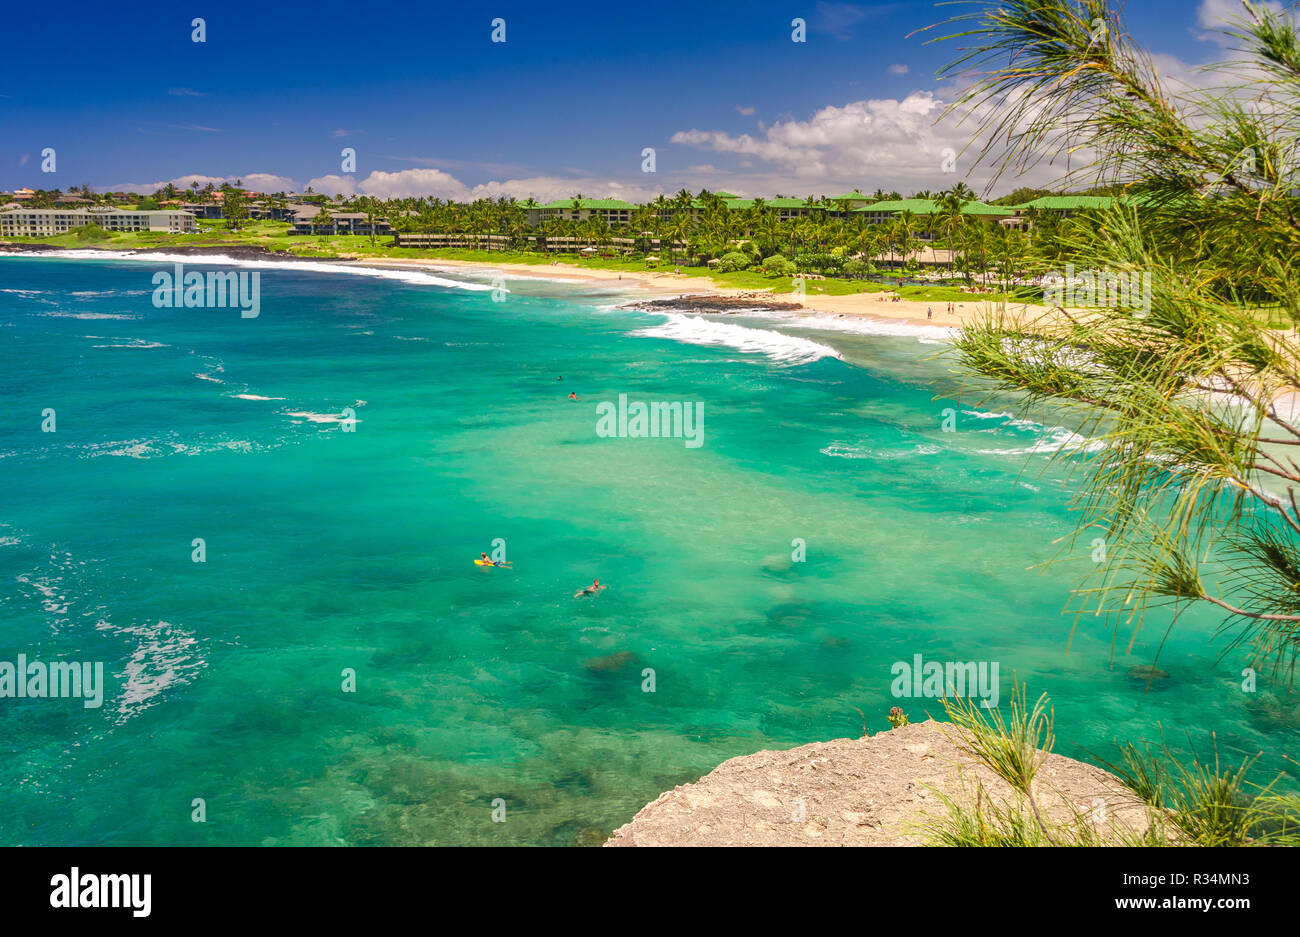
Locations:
{"points": [[610, 662]]}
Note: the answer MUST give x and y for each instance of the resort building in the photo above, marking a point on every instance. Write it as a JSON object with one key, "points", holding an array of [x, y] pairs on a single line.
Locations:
{"points": [[882, 212], [47, 222], [1065, 205], [851, 201], [1062, 206], [612, 211], [305, 221], [786, 209]]}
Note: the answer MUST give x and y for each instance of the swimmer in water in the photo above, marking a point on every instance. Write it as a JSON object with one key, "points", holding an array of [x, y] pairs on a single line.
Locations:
{"points": [[590, 590], [573, 396]]}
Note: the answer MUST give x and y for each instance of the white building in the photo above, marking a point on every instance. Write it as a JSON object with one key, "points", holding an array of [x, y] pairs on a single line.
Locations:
{"points": [[47, 222]]}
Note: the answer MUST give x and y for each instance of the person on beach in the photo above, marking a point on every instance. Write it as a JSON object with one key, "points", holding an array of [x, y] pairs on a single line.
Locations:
{"points": [[929, 312], [590, 590]]}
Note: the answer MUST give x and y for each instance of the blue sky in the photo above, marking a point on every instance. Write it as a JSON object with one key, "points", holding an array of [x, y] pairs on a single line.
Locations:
{"points": [[432, 106]]}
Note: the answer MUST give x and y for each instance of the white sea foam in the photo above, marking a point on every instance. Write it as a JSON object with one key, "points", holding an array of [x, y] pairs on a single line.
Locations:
{"points": [[86, 315], [159, 448], [415, 277], [254, 397], [135, 343], [165, 656], [209, 377], [320, 417], [696, 330], [845, 451], [1055, 439]]}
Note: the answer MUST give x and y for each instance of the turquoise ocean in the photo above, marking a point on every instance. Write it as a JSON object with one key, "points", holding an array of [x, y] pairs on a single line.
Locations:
{"points": [[338, 556]]}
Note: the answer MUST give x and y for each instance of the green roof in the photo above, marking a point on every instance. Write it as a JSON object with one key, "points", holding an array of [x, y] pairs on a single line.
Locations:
{"points": [[589, 203], [854, 196], [724, 195], [917, 206], [929, 206], [742, 203], [983, 208], [1067, 202]]}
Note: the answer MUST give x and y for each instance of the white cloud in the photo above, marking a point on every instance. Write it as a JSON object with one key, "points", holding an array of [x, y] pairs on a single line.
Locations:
{"points": [[882, 142], [434, 183], [1215, 16], [257, 182], [747, 111], [898, 69]]}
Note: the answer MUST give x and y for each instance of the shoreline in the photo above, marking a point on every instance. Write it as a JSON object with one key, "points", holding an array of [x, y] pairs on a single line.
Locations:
{"points": [[659, 285], [652, 285]]}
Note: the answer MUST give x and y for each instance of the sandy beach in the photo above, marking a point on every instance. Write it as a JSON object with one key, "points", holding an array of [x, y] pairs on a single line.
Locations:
{"points": [[658, 284]]}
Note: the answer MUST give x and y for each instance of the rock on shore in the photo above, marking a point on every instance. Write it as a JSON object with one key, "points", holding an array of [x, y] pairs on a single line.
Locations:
{"points": [[857, 792]]}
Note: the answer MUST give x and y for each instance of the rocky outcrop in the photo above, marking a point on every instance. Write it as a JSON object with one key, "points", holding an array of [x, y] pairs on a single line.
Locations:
{"points": [[861, 792]]}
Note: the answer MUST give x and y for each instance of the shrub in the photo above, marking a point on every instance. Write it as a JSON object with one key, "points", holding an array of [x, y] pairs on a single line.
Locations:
{"points": [[91, 232], [733, 261], [856, 268], [778, 266]]}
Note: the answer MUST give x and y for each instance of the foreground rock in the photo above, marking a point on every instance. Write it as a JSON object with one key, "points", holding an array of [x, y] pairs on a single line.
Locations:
{"points": [[713, 303], [860, 792]]}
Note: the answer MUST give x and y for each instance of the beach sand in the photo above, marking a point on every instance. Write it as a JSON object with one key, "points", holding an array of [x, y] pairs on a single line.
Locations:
{"points": [[660, 284]]}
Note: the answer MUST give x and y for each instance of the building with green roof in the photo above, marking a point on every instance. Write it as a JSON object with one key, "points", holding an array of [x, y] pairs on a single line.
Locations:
{"points": [[852, 201], [610, 210], [1066, 204], [881, 212]]}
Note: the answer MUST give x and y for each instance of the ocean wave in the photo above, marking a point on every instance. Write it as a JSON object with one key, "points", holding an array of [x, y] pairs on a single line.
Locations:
{"points": [[694, 330], [320, 417], [254, 397], [415, 277], [846, 451], [1055, 439], [158, 448], [87, 315], [135, 343]]}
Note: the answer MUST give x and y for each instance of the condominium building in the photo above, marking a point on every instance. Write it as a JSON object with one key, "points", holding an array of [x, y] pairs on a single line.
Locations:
{"points": [[47, 222], [612, 211]]}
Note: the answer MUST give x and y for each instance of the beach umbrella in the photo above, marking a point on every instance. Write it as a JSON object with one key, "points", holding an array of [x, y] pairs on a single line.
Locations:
{"points": [[652, 257]]}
